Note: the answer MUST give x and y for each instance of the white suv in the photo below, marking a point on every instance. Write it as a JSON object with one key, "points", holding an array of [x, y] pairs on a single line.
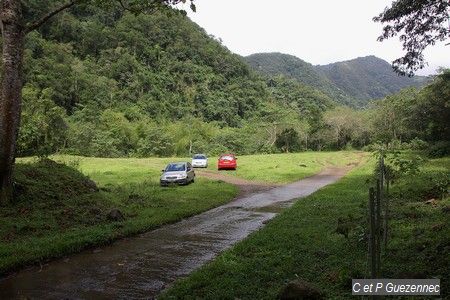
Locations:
{"points": [[200, 161]]}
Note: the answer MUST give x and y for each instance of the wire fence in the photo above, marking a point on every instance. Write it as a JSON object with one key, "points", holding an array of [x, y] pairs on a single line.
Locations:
{"points": [[378, 220]]}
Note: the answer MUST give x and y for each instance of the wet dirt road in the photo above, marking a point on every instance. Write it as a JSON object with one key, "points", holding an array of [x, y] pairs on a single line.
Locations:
{"points": [[140, 267]]}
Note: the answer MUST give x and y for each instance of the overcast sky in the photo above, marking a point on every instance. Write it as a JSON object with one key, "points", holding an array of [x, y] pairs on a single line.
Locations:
{"points": [[317, 31]]}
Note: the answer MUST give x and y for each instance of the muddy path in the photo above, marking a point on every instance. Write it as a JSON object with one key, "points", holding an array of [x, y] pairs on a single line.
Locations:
{"points": [[246, 187], [140, 267]]}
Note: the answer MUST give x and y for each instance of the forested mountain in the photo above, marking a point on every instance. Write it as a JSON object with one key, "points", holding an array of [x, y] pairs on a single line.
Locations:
{"points": [[163, 66], [110, 83], [352, 82], [104, 82], [274, 64], [367, 77]]}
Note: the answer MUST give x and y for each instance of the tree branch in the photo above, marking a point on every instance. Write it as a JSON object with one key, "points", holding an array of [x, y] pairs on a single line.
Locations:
{"points": [[126, 8], [149, 7], [38, 23], [122, 5]]}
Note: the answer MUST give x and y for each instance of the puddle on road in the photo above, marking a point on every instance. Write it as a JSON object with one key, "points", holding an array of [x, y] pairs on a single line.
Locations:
{"points": [[270, 209], [275, 208], [140, 267]]}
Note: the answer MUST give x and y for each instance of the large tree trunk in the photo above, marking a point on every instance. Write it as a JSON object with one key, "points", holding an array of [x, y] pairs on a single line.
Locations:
{"points": [[11, 89]]}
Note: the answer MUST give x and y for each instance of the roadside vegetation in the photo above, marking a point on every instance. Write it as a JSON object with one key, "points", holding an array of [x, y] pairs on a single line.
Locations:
{"points": [[59, 211], [321, 241]]}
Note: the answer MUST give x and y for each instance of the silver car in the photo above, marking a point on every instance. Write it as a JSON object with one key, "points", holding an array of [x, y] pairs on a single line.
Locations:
{"points": [[200, 161], [179, 173]]}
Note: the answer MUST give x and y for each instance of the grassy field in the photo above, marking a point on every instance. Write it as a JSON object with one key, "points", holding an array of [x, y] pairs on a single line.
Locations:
{"points": [[284, 168], [272, 168], [58, 211], [321, 240]]}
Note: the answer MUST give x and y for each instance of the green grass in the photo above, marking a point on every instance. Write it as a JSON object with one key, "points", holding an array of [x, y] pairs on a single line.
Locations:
{"points": [[57, 212], [306, 242], [284, 168], [420, 244], [271, 168]]}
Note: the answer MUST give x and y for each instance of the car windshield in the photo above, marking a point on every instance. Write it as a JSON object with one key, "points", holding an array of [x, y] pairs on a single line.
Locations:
{"points": [[226, 157], [199, 156], [176, 167]]}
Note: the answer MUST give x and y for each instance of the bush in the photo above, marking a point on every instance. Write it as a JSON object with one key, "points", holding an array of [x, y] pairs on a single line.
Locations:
{"points": [[156, 143], [43, 129], [398, 145], [439, 149], [373, 147], [288, 140], [414, 144], [439, 184], [421, 186], [106, 144], [418, 144]]}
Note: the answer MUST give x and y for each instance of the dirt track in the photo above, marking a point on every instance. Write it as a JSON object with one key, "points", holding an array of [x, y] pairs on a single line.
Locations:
{"points": [[246, 187]]}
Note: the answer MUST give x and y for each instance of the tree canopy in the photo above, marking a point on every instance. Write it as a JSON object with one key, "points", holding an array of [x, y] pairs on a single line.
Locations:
{"points": [[126, 77], [18, 19], [158, 84], [420, 23]]}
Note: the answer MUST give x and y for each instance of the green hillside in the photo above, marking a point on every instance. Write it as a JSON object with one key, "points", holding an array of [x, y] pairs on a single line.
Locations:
{"points": [[105, 83], [162, 65], [367, 77], [111, 84], [274, 64], [352, 82]]}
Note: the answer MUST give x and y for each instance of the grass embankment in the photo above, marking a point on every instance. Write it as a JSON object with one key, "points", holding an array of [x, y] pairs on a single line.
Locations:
{"points": [[285, 168], [59, 211], [309, 242]]}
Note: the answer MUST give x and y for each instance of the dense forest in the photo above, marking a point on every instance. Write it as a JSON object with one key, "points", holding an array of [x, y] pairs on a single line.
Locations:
{"points": [[115, 84], [366, 78], [354, 82], [273, 64]]}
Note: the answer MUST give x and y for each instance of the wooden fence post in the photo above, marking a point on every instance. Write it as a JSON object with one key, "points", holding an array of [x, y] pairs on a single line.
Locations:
{"points": [[386, 215], [372, 247], [378, 228], [381, 175]]}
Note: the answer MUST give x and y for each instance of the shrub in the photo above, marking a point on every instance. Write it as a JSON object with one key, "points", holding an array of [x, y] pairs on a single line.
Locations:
{"points": [[156, 143], [418, 144], [439, 184], [439, 149], [421, 186], [288, 140], [105, 144], [373, 147]]}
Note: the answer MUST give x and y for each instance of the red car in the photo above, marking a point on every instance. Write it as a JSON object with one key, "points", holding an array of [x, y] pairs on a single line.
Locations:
{"points": [[227, 161]]}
